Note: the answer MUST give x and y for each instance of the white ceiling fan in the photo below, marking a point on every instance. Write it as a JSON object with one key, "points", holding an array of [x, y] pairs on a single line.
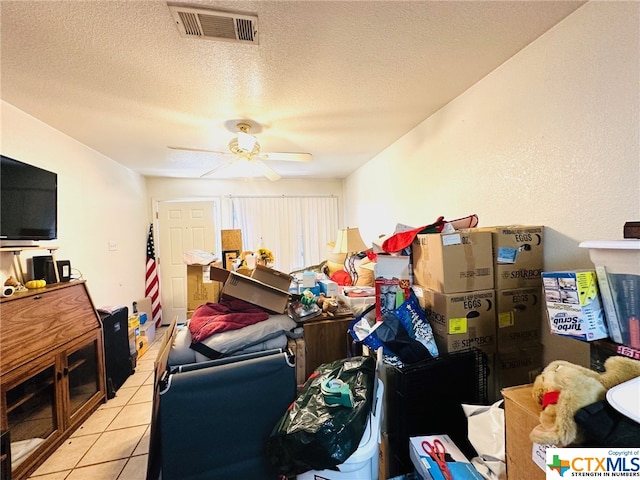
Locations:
{"points": [[245, 147]]}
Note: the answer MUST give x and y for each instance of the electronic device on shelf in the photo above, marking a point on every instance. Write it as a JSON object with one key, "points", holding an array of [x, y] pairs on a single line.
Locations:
{"points": [[28, 202]]}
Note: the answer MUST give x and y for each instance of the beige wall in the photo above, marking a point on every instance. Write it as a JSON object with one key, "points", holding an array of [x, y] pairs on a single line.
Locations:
{"points": [[99, 201], [549, 138]]}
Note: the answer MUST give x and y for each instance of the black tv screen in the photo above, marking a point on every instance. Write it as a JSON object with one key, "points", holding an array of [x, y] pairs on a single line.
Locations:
{"points": [[28, 201]]}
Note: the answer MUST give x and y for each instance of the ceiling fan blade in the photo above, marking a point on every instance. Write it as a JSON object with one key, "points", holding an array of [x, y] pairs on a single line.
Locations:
{"points": [[286, 157], [189, 149], [218, 168], [267, 171]]}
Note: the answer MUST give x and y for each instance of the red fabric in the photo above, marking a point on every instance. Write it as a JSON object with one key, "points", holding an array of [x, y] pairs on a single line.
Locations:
{"points": [[550, 398], [228, 314], [401, 240], [342, 278]]}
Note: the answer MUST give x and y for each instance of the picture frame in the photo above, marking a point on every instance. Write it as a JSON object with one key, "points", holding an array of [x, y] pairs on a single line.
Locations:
{"points": [[228, 256]]}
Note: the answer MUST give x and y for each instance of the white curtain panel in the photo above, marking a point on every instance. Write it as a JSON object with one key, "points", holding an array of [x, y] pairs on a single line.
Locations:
{"points": [[295, 229]]}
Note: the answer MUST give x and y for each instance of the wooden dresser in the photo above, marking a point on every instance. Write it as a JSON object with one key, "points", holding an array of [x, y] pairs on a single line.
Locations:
{"points": [[51, 369]]}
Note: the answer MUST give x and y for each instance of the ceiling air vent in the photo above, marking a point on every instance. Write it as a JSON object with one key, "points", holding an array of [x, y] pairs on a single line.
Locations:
{"points": [[214, 24]]}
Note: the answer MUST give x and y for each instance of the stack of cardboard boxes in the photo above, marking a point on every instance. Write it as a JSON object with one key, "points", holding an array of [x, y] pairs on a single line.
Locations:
{"points": [[482, 288], [518, 264], [453, 279]]}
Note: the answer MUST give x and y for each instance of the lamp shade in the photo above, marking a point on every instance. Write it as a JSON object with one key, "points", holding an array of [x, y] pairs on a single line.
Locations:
{"points": [[349, 241]]}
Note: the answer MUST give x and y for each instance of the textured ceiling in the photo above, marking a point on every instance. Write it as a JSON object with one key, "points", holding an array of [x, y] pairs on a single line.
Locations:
{"points": [[341, 80]]}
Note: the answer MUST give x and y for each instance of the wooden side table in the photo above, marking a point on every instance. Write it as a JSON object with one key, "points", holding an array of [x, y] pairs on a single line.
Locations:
{"points": [[325, 340]]}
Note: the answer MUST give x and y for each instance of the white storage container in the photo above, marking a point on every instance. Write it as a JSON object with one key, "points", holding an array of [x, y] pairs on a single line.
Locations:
{"points": [[617, 265], [363, 463]]}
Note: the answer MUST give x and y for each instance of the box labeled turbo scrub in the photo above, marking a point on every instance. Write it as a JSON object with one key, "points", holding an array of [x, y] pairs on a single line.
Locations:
{"points": [[573, 304]]}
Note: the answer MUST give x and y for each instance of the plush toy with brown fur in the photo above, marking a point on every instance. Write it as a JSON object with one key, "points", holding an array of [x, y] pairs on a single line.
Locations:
{"points": [[563, 388]]}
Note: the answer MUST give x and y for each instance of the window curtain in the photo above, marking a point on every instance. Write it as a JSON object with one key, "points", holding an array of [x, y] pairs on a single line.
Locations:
{"points": [[295, 229]]}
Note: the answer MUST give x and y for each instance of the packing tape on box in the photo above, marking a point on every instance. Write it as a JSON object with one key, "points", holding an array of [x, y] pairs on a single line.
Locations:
{"points": [[8, 290]]}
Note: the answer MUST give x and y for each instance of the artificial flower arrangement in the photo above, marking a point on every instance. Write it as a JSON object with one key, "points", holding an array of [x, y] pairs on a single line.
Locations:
{"points": [[262, 255], [265, 255]]}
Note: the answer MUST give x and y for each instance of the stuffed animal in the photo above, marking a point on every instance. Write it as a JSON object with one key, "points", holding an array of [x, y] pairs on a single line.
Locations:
{"points": [[563, 388]]}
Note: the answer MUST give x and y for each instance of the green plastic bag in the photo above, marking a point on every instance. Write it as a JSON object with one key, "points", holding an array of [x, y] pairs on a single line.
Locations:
{"points": [[312, 435]]}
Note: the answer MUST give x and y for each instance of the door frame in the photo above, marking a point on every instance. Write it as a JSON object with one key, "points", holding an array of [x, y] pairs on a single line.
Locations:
{"points": [[155, 208]]}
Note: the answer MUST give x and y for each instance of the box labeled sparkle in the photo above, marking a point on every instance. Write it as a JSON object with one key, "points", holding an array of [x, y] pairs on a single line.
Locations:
{"points": [[573, 304]]}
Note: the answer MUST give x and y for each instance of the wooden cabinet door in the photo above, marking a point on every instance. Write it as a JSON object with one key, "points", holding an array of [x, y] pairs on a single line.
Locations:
{"points": [[325, 341]]}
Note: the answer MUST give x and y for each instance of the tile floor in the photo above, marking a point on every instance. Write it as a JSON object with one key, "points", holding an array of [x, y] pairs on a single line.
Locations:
{"points": [[113, 444]]}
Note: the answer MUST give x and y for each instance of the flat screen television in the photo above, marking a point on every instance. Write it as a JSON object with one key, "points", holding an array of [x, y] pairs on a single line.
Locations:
{"points": [[28, 202]]}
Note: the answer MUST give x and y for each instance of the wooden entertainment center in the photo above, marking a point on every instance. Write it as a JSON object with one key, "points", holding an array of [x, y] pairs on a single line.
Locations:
{"points": [[51, 370]]}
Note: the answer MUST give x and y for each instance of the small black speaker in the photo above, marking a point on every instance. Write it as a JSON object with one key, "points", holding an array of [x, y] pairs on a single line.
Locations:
{"points": [[64, 271], [39, 271]]}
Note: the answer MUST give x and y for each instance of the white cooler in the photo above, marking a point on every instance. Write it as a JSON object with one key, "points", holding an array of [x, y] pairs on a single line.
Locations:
{"points": [[363, 463]]}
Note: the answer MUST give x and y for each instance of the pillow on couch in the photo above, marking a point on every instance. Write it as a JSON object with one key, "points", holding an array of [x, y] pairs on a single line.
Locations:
{"points": [[233, 341]]}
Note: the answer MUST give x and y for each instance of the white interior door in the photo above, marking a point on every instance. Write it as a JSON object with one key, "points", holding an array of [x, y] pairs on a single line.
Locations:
{"points": [[183, 226]]}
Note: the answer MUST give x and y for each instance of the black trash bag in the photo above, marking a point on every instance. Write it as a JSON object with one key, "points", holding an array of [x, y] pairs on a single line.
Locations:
{"points": [[396, 338], [314, 436]]}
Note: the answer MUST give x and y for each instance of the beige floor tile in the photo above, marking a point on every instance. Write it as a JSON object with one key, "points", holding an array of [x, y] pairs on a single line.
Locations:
{"points": [[144, 394], [136, 469], [102, 471], [68, 454], [132, 415], [52, 476], [123, 395], [146, 364], [97, 422], [143, 445], [113, 445], [150, 380], [136, 379]]}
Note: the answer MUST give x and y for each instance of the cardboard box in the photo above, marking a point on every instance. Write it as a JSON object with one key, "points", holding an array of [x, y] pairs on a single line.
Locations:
{"points": [[516, 367], [573, 304], [519, 314], [251, 290], [297, 346], [279, 280], [462, 320], [200, 287], [453, 262], [423, 462], [518, 255], [148, 329], [329, 288], [521, 415]]}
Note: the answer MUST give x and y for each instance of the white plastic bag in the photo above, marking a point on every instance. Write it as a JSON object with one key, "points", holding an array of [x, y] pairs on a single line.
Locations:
{"points": [[198, 257], [486, 434]]}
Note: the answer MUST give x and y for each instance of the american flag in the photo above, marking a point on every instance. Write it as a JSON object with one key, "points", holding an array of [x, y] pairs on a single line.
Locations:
{"points": [[152, 283]]}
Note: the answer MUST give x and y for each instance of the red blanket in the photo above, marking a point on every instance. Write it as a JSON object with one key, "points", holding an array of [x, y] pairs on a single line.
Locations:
{"points": [[228, 314]]}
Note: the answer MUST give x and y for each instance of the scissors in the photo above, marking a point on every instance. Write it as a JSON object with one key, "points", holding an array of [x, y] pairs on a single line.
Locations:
{"points": [[437, 452]]}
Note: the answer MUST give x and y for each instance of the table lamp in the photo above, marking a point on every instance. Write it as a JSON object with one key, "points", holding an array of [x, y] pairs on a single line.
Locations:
{"points": [[350, 243]]}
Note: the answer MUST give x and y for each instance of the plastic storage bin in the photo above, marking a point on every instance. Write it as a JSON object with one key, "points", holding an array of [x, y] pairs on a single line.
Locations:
{"points": [[617, 265], [363, 463]]}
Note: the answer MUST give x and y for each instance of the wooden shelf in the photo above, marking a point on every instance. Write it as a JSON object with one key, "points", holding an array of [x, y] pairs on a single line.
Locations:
{"points": [[17, 263], [27, 247]]}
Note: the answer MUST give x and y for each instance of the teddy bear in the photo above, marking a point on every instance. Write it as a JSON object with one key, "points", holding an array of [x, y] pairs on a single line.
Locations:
{"points": [[563, 388]]}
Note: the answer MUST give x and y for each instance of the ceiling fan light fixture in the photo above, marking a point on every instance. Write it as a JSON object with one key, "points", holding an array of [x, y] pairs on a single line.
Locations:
{"points": [[246, 142]]}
